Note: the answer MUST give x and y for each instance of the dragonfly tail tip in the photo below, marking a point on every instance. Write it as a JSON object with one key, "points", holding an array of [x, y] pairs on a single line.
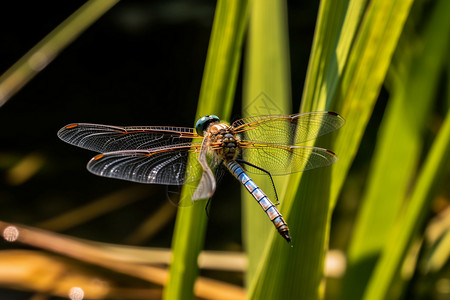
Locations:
{"points": [[286, 236]]}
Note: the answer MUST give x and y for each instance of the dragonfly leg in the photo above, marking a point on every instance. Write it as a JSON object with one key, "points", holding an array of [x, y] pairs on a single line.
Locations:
{"points": [[263, 170]]}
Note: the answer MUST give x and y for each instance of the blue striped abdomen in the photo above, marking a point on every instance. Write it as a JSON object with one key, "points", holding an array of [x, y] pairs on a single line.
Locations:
{"points": [[261, 198]]}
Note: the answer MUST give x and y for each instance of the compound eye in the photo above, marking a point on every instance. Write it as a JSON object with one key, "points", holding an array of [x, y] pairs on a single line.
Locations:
{"points": [[204, 122]]}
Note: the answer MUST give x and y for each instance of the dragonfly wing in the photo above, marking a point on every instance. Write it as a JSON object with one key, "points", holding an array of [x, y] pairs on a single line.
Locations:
{"points": [[106, 138], [289, 129], [164, 165], [282, 160], [207, 185]]}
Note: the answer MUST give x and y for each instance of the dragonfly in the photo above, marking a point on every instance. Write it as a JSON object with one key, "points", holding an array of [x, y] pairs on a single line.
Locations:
{"points": [[268, 145]]}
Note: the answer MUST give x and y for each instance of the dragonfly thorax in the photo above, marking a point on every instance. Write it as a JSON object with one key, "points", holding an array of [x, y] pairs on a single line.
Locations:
{"points": [[224, 141]]}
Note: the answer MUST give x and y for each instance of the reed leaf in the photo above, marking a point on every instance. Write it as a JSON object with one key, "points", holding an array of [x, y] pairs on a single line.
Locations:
{"points": [[216, 97], [49, 47], [383, 232], [409, 225], [346, 71], [363, 76], [267, 91], [414, 74]]}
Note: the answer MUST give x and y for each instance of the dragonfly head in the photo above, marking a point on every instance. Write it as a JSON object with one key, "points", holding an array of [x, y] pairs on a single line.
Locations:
{"points": [[204, 122]]}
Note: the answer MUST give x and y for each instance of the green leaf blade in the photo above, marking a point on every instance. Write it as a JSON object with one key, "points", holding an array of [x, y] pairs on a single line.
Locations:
{"points": [[266, 91], [216, 97]]}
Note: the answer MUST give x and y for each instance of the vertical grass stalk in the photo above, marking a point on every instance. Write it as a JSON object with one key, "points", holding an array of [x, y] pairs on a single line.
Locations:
{"points": [[266, 90], [216, 97], [351, 53]]}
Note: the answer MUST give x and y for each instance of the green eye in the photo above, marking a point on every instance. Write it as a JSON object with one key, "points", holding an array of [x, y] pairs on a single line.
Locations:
{"points": [[203, 123]]}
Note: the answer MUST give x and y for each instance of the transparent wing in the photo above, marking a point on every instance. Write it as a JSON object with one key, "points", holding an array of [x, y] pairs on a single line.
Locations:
{"points": [[282, 160], [164, 165], [289, 129], [207, 185], [105, 138]]}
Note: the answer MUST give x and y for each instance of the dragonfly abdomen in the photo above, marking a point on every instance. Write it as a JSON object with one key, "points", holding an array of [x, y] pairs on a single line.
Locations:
{"points": [[267, 205]]}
